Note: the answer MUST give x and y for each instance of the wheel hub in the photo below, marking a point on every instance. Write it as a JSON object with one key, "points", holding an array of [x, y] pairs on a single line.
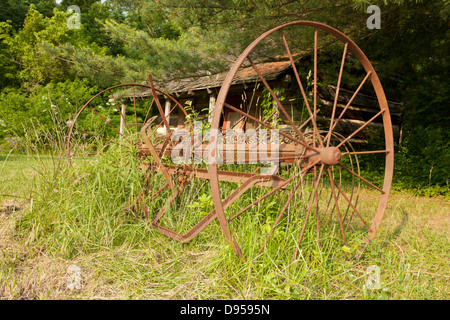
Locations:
{"points": [[330, 156]]}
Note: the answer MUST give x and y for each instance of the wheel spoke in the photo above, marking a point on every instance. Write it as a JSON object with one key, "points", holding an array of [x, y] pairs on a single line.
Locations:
{"points": [[227, 105], [309, 210], [294, 68], [348, 104], [98, 136], [351, 205], [336, 96], [363, 179], [341, 226], [286, 205], [285, 183], [280, 106], [317, 210], [360, 128], [106, 121], [315, 89], [117, 106], [148, 111], [158, 104], [364, 152]]}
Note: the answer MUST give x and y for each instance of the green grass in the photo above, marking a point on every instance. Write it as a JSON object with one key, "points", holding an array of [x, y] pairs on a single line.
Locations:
{"points": [[75, 216]]}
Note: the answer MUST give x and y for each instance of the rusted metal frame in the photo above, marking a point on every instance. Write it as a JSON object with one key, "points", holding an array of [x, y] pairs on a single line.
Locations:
{"points": [[188, 236], [360, 128], [309, 211], [280, 106], [349, 103], [351, 216], [227, 176], [363, 179], [341, 226], [336, 96], [270, 127], [280, 186], [155, 155], [250, 153], [302, 90], [158, 104]]}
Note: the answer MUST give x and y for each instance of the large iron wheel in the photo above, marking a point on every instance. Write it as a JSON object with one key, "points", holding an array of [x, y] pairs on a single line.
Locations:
{"points": [[324, 179], [130, 118]]}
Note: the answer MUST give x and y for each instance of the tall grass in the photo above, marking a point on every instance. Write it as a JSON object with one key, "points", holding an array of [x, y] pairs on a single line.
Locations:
{"points": [[76, 214]]}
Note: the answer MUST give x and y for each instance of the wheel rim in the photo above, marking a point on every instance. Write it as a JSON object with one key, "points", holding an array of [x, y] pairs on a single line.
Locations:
{"points": [[96, 129], [324, 168]]}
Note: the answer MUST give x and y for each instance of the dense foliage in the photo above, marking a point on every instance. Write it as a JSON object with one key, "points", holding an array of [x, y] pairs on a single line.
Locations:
{"points": [[47, 70]]}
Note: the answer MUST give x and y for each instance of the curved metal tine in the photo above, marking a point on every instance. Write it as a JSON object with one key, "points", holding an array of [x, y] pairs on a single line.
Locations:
{"points": [[162, 121], [351, 216], [336, 96], [304, 124], [353, 186], [349, 102], [286, 205], [341, 226], [158, 104], [148, 111], [274, 97], [353, 207], [106, 121], [331, 197], [317, 211], [98, 136], [309, 211], [363, 179], [281, 185], [352, 190], [326, 209], [229, 106], [302, 90], [360, 128]]}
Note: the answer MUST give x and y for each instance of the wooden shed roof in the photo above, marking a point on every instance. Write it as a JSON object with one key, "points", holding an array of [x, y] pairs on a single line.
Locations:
{"points": [[270, 71]]}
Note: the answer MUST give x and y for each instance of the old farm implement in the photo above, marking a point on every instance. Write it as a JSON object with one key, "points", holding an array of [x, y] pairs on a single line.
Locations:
{"points": [[282, 179]]}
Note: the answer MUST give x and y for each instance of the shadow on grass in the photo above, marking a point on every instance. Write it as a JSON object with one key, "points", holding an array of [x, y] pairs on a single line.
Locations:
{"points": [[398, 230]]}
